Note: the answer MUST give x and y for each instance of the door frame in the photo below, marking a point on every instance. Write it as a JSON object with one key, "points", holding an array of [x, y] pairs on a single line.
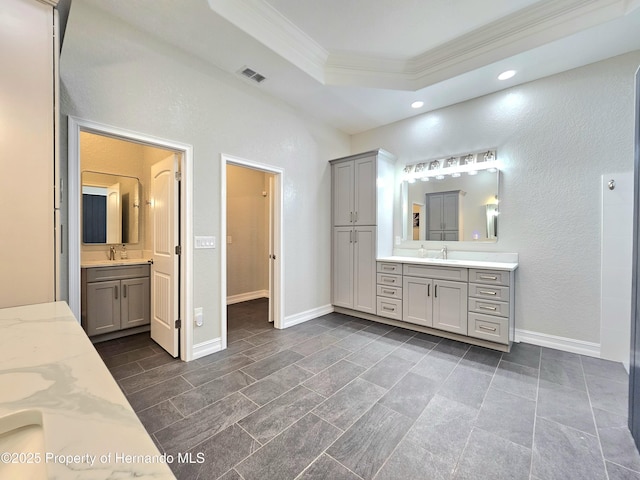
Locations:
{"points": [[278, 229], [77, 125]]}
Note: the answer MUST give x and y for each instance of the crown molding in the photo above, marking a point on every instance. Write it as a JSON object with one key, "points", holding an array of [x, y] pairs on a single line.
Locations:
{"points": [[520, 31], [264, 23]]}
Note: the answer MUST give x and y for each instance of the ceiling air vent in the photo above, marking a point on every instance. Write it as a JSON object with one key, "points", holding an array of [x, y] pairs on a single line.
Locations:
{"points": [[252, 75]]}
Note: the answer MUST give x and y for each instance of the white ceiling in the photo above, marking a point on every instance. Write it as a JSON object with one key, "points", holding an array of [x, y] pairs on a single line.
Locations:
{"points": [[358, 64]]}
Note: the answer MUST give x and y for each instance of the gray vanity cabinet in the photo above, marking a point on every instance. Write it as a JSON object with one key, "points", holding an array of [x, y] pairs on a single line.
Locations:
{"points": [[115, 298], [443, 217]]}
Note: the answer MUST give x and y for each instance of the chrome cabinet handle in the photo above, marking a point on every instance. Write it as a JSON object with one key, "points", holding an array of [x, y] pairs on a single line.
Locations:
{"points": [[116, 288], [351, 217], [487, 292], [428, 290], [356, 240], [490, 329], [387, 280], [124, 291], [350, 236], [387, 309], [488, 277], [356, 217], [435, 291], [388, 292], [485, 307]]}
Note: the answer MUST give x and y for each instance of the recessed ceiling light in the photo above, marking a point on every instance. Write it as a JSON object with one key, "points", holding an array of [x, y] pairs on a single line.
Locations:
{"points": [[417, 104], [506, 75]]}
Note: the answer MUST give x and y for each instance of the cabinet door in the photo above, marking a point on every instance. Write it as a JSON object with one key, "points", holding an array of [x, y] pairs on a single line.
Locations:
{"points": [[343, 267], [103, 307], [364, 252], [450, 211], [434, 210], [417, 300], [365, 191], [134, 306], [450, 306], [343, 193]]}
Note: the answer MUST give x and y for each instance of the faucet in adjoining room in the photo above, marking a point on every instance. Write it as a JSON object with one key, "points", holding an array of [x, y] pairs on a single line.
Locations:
{"points": [[112, 252], [444, 252]]}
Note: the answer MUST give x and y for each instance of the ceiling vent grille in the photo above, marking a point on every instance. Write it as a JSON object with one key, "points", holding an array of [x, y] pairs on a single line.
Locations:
{"points": [[252, 75]]}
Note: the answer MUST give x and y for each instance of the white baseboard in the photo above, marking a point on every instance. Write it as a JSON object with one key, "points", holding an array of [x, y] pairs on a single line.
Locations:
{"points": [[302, 317], [581, 347], [206, 348], [245, 297]]}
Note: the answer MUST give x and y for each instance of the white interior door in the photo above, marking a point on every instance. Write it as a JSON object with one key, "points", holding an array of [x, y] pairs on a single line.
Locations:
{"points": [[164, 271], [272, 256]]}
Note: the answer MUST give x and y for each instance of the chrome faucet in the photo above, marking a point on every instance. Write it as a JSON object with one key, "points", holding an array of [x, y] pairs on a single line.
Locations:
{"points": [[444, 252], [112, 252]]}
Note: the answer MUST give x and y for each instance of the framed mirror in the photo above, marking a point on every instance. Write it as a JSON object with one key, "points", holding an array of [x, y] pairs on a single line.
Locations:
{"points": [[110, 208], [451, 209]]}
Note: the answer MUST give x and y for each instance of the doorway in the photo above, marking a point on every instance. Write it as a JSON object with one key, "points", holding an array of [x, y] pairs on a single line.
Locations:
{"points": [[251, 238], [166, 170]]}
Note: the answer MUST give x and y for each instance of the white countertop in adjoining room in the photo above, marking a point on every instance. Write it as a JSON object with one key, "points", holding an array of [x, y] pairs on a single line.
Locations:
{"points": [[50, 366], [113, 263], [465, 263]]}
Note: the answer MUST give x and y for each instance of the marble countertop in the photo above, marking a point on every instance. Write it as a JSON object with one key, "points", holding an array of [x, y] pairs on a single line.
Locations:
{"points": [[510, 266], [114, 263], [50, 366]]}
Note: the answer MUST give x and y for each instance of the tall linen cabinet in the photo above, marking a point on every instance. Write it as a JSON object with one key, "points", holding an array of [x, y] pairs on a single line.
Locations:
{"points": [[28, 201], [362, 216]]}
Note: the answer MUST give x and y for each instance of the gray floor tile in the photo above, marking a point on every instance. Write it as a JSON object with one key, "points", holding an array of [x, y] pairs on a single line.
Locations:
{"points": [[271, 419], [605, 368], [314, 344], [568, 374], [345, 330], [350, 403], [210, 392], [414, 349], [231, 475], [492, 457], [157, 375], [436, 366], [325, 468], [508, 416], [127, 357], [191, 431], [565, 405], [466, 385], [357, 340], [388, 371], [616, 472], [289, 453], [563, 453], [553, 355], [272, 364], [516, 379], [452, 347], [158, 393], [158, 360], [271, 387], [616, 440], [264, 350], [608, 395], [332, 379], [444, 427], [481, 359], [217, 369], [372, 353], [410, 395], [322, 359], [159, 416], [524, 354], [411, 462], [367, 444], [126, 370]]}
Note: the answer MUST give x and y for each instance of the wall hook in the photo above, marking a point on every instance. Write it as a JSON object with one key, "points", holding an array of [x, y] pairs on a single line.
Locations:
{"points": [[611, 184]]}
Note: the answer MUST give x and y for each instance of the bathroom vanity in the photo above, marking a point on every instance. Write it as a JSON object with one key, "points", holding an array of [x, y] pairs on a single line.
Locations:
{"points": [[115, 298]]}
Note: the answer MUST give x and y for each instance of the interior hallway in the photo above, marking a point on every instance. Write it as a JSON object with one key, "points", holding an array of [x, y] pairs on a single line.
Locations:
{"points": [[343, 398]]}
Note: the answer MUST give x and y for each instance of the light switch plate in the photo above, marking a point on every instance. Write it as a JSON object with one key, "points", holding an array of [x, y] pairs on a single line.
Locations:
{"points": [[205, 242]]}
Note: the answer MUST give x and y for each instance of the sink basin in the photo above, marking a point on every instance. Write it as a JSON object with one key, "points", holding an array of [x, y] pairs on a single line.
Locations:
{"points": [[22, 435]]}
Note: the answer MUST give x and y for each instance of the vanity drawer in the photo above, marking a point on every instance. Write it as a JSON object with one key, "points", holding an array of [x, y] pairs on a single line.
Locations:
{"points": [[494, 329], [489, 292], [389, 307], [488, 307], [386, 279], [101, 274], [385, 267], [489, 277], [429, 271], [390, 292]]}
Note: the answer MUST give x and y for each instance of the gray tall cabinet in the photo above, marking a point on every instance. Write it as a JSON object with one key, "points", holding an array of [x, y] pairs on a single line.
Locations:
{"points": [[362, 216]]}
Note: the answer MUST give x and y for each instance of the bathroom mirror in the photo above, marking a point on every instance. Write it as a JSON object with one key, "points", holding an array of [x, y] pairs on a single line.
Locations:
{"points": [[463, 208], [110, 208]]}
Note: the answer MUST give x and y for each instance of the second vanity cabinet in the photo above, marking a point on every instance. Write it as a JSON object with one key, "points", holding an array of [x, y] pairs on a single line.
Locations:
{"points": [[115, 298], [435, 297]]}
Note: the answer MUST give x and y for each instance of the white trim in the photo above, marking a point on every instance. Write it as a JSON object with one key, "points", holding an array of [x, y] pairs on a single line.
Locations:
{"points": [[245, 297], [278, 238], [76, 125], [307, 315], [207, 347], [559, 343]]}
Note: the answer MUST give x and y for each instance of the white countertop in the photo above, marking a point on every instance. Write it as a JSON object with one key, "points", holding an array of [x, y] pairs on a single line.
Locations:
{"points": [[510, 266], [113, 263], [50, 366]]}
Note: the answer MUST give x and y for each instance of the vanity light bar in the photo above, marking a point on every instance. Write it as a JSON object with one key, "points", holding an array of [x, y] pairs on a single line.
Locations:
{"points": [[470, 163]]}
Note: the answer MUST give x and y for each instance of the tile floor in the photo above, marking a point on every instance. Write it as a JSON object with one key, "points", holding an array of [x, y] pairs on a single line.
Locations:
{"points": [[343, 398]]}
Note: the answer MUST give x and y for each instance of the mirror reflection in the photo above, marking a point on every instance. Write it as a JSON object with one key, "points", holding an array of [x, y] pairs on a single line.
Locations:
{"points": [[110, 208], [463, 208]]}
